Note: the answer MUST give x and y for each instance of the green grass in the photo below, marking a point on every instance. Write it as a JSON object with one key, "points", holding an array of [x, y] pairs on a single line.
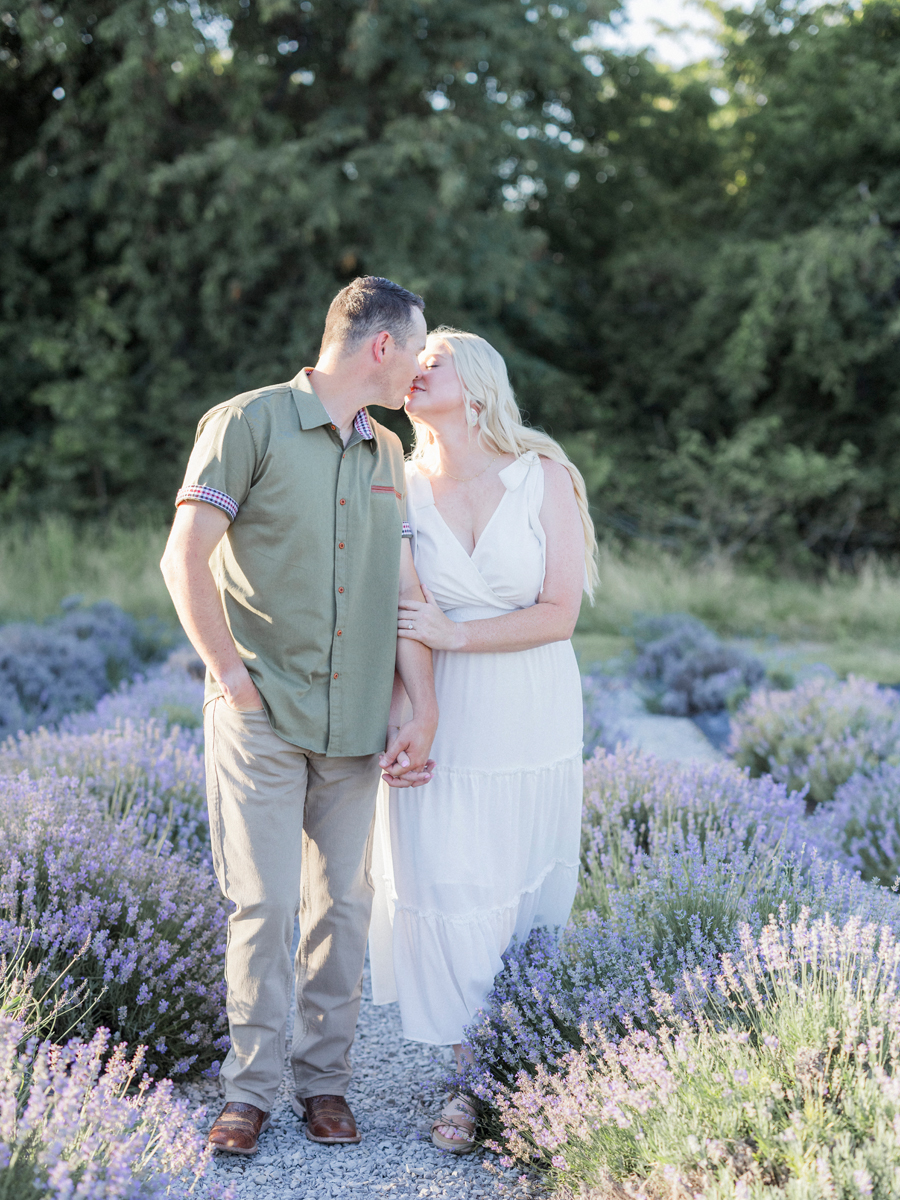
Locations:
{"points": [[42, 564], [849, 622]]}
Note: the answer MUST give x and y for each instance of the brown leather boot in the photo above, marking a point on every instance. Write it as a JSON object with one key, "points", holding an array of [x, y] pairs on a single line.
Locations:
{"points": [[328, 1119], [237, 1128]]}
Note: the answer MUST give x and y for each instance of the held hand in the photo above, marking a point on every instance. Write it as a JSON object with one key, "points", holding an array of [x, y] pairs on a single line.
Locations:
{"points": [[405, 761], [239, 691], [426, 623], [412, 779]]}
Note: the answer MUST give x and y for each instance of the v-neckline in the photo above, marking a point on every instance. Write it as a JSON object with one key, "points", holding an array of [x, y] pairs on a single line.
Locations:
{"points": [[480, 537]]}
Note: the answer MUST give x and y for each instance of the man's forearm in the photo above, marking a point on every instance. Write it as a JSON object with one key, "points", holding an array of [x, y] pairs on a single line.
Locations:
{"points": [[416, 671], [199, 607], [185, 568]]}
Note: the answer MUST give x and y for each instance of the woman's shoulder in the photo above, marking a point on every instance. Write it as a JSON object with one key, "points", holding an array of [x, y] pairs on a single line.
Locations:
{"points": [[418, 485], [556, 475]]}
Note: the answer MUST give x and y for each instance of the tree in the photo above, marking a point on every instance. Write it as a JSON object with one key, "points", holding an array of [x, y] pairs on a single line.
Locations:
{"points": [[180, 218]]}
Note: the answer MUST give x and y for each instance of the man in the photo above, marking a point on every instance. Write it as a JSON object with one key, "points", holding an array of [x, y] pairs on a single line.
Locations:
{"points": [[298, 498]]}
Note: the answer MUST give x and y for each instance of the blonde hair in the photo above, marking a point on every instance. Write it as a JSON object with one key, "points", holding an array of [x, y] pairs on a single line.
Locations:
{"points": [[491, 409]]}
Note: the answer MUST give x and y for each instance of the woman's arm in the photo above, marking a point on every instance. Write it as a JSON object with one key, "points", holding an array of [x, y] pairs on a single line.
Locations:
{"points": [[552, 619]]}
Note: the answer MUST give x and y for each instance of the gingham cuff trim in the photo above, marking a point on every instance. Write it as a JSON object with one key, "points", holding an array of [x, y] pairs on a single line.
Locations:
{"points": [[210, 496], [362, 426], [406, 530]]}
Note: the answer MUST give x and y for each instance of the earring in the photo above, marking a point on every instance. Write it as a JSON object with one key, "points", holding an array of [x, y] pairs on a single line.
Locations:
{"points": [[472, 416]]}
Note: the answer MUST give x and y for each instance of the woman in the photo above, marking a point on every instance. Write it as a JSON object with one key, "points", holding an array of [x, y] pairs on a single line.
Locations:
{"points": [[503, 545]]}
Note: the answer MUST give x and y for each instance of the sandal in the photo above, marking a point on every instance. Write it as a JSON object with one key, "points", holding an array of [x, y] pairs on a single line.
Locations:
{"points": [[460, 1114]]}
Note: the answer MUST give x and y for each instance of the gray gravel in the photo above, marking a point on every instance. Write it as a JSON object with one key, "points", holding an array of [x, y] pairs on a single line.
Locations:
{"points": [[393, 1098]]}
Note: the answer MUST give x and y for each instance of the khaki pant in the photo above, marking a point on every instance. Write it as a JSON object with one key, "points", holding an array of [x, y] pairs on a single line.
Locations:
{"points": [[271, 806]]}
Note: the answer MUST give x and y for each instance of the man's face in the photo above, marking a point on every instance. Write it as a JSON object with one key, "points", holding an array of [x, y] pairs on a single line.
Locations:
{"points": [[401, 363]]}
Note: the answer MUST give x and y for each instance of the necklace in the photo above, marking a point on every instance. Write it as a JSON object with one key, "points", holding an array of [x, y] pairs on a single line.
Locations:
{"points": [[469, 478]]}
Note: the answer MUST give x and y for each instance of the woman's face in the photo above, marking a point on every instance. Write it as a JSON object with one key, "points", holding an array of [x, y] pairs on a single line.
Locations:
{"points": [[436, 390]]}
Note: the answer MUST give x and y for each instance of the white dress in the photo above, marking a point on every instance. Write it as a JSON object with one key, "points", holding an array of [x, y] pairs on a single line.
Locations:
{"points": [[489, 848]]}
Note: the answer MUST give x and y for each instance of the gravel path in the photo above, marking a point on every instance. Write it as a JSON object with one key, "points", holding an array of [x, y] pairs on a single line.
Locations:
{"points": [[393, 1098]]}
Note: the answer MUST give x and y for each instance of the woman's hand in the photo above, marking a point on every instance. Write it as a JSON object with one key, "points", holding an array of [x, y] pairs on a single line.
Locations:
{"points": [[427, 624], [406, 746]]}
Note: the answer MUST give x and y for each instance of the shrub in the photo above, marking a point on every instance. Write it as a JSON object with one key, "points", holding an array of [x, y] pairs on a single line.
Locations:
{"points": [[688, 668], [67, 664], [819, 734], [153, 924], [606, 970], [783, 1083], [636, 807], [861, 827], [172, 694], [137, 770], [75, 1121], [675, 861]]}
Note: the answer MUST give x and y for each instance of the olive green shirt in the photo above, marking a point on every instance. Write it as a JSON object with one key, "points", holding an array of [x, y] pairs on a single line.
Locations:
{"points": [[309, 568]]}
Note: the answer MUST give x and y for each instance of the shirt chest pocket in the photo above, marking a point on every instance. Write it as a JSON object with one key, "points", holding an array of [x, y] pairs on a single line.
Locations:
{"points": [[385, 507]]}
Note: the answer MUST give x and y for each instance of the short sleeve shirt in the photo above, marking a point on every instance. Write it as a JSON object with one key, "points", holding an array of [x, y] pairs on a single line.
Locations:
{"points": [[309, 567]]}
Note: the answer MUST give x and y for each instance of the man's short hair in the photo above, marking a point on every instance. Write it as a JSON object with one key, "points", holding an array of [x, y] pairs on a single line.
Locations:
{"points": [[367, 306]]}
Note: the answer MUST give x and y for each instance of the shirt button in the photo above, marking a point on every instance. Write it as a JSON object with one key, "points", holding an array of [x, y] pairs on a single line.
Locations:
{"points": [[334, 427], [340, 545], [343, 502], [340, 631], [340, 589], [335, 675]]}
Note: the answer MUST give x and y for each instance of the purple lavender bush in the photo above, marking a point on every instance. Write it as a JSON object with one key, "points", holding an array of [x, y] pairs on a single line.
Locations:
{"points": [[818, 735], [636, 807], [860, 828], [688, 669], [140, 770], [780, 1080], [79, 1121], [150, 925], [67, 664], [676, 861], [172, 693]]}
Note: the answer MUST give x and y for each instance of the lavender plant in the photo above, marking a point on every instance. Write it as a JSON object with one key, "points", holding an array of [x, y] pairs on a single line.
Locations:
{"points": [[138, 770], [818, 735], [71, 661], [607, 969], [172, 693], [675, 861], [154, 923], [636, 807], [77, 1120], [689, 669], [783, 1079], [861, 827]]}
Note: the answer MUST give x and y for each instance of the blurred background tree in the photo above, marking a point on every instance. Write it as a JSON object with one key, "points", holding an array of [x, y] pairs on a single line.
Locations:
{"points": [[693, 274]]}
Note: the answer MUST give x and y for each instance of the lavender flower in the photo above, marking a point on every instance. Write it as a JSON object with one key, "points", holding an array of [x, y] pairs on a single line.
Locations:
{"points": [[68, 663], [676, 861], [819, 734], [781, 1080], [76, 1120], [154, 924], [861, 827], [136, 769], [688, 668]]}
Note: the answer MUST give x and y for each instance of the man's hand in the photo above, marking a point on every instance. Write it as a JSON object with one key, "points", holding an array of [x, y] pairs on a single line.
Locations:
{"points": [[405, 760], [239, 690]]}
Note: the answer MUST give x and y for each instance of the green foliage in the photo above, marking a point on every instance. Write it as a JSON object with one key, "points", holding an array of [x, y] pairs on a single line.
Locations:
{"points": [[177, 222], [694, 275]]}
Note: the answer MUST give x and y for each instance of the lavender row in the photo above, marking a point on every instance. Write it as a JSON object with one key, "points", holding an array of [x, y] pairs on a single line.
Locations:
{"points": [[67, 664]]}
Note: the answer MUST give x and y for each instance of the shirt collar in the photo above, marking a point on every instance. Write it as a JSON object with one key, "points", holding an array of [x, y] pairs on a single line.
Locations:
{"points": [[312, 412]]}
